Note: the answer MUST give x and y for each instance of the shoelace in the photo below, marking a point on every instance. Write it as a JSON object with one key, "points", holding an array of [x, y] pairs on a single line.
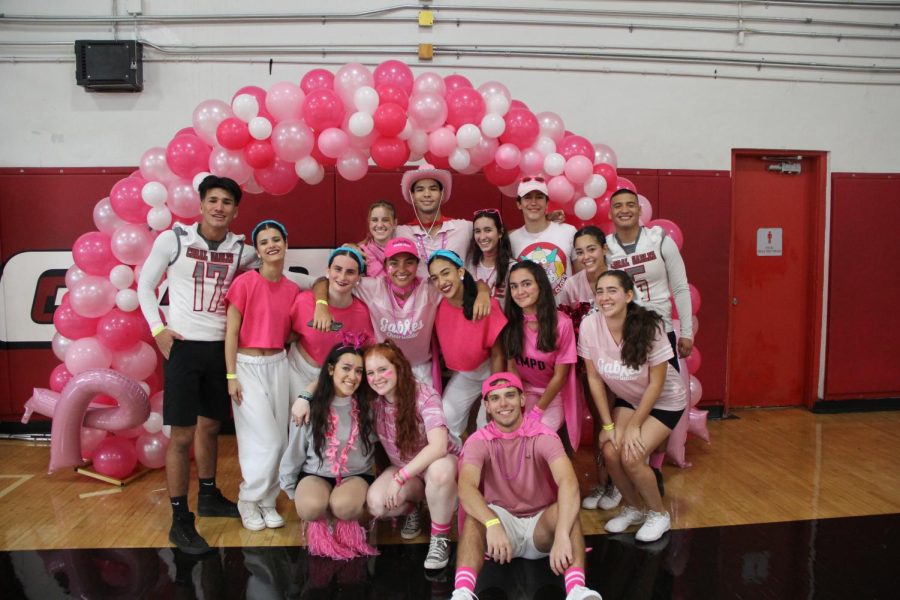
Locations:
{"points": [[438, 547]]}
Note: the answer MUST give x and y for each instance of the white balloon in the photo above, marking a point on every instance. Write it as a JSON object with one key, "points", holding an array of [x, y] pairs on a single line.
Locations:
{"points": [[493, 125], [154, 423], [260, 128], [585, 208], [407, 131], [245, 107], [198, 179], [545, 145], [497, 104], [460, 159], [365, 99], [159, 218], [468, 136], [146, 387], [60, 344], [595, 186], [554, 164], [127, 300], [121, 276], [317, 177], [306, 168], [418, 142], [361, 123], [154, 193]]}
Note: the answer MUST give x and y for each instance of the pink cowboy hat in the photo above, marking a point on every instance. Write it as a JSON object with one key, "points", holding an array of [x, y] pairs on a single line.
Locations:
{"points": [[426, 171]]}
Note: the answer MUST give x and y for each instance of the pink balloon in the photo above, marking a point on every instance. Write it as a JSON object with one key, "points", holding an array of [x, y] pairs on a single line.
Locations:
{"points": [[322, 108], [292, 140], [696, 324], [156, 402], [126, 200], [672, 230], [483, 154], [464, 105], [118, 330], [508, 156], [105, 218], [350, 78], [677, 439], [394, 72], [131, 433], [115, 457], [609, 174], [389, 92], [489, 88], [390, 119], [552, 126], [531, 163], [228, 163], [442, 142], [317, 79], [390, 153], [260, 95], [499, 176], [185, 131], [87, 354], [696, 391], [284, 100], [59, 377], [91, 438], [259, 154], [155, 168], [151, 449], [186, 156], [427, 111], [575, 145], [333, 142], [206, 119], [561, 189], [697, 423], [646, 209], [131, 243], [522, 128], [184, 200], [71, 324], [93, 255], [233, 134], [695, 298], [693, 361], [353, 165], [93, 296], [578, 169], [603, 154], [278, 179], [625, 183], [455, 82], [137, 361]]}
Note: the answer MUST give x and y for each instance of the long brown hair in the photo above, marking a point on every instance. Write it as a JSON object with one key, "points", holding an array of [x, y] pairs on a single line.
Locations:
{"points": [[514, 332], [641, 325], [408, 418]]}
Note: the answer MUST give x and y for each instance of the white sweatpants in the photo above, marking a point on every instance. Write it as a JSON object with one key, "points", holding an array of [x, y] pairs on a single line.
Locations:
{"points": [[301, 373], [422, 373], [462, 391], [261, 424]]}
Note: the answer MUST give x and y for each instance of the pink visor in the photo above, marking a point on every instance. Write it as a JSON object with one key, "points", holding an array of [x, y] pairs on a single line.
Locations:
{"points": [[499, 381]]}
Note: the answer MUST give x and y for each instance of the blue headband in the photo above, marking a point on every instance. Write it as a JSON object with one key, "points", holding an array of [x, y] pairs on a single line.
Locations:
{"points": [[262, 225], [356, 254], [446, 255]]}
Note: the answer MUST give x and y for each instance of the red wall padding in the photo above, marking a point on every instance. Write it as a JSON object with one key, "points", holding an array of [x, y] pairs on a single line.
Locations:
{"points": [[863, 288]]}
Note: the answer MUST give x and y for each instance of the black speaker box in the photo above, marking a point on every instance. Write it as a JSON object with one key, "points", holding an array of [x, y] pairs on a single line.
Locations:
{"points": [[109, 66]]}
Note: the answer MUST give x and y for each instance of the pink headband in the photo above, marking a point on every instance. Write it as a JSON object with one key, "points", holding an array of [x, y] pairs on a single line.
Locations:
{"points": [[499, 381]]}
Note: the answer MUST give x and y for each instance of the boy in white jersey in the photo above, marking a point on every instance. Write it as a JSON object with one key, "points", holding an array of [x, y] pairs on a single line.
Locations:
{"points": [[541, 239], [199, 262]]}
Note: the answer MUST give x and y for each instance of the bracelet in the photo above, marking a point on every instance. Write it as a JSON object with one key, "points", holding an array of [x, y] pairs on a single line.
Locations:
{"points": [[323, 302], [158, 330], [400, 481], [305, 395], [608, 426], [492, 522], [404, 474], [230, 375]]}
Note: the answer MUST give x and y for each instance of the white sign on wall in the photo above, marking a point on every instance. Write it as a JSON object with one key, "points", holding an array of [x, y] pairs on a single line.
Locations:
{"points": [[768, 241]]}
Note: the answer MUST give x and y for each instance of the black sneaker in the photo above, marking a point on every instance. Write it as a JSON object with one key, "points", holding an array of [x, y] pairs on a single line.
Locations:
{"points": [[185, 537], [216, 505], [659, 481]]}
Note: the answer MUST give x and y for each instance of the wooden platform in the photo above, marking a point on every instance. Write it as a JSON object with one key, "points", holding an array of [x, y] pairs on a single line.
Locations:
{"points": [[764, 466]]}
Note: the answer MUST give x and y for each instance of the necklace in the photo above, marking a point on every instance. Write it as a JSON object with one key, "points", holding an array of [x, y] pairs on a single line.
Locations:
{"points": [[338, 462]]}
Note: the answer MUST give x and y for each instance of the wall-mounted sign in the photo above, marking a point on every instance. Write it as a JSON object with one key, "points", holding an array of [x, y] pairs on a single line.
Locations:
{"points": [[768, 241]]}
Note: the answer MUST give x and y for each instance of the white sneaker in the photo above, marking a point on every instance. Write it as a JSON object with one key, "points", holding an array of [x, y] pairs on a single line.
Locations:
{"points": [[438, 552], [628, 516], [250, 515], [654, 527], [463, 594], [592, 500], [579, 592], [611, 497], [271, 517], [412, 525]]}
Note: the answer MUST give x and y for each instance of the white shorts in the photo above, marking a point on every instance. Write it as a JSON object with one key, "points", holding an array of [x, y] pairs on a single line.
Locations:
{"points": [[520, 531]]}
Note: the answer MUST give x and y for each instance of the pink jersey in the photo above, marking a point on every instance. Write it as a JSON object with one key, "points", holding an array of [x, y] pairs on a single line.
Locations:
{"points": [[536, 366], [596, 344], [374, 257], [431, 413], [512, 476], [465, 344], [410, 326], [265, 307], [353, 318]]}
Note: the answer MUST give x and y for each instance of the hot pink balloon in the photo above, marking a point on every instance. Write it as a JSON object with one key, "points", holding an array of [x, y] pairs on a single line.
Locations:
{"points": [[427, 111], [333, 142], [390, 119], [522, 128], [317, 79], [105, 218], [561, 189], [93, 255], [578, 169], [126, 200], [390, 153], [672, 230], [233, 134], [186, 156], [118, 330], [206, 119], [115, 457], [278, 179], [292, 140], [151, 449], [464, 105], [184, 201], [185, 131], [259, 154], [455, 82], [608, 173], [697, 423], [93, 296], [393, 93], [518, 104], [59, 377], [154, 166], [350, 78], [394, 72], [499, 176], [131, 243], [575, 145], [322, 108], [284, 100], [71, 324], [508, 156], [694, 361], [625, 183]]}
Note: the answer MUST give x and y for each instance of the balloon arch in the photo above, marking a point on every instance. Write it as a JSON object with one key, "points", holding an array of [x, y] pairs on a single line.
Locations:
{"points": [[267, 141]]}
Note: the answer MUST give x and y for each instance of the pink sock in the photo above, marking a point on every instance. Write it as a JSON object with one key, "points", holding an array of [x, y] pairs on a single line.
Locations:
{"points": [[574, 576], [440, 528], [656, 460], [465, 579]]}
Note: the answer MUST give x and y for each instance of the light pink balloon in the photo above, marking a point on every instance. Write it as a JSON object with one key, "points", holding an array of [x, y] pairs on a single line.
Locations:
{"points": [[74, 275], [60, 344], [489, 88], [578, 169], [605, 154], [292, 140], [206, 119], [92, 297], [696, 391], [697, 423], [531, 163], [508, 156], [131, 243], [333, 142], [284, 100], [677, 439], [137, 362], [442, 142], [352, 165], [225, 163], [646, 209], [350, 78], [87, 354], [551, 125], [484, 152], [429, 83], [184, 200], [155, 168], [90, 439], [427, 111], [561, 189], [151, 449], [105, 218]]}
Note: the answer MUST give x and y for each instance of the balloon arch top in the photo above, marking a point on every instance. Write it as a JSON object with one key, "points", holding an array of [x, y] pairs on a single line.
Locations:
{"points": [[268, 140]]}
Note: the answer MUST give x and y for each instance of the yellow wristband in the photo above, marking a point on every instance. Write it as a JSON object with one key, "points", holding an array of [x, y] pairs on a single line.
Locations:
{"points": [[158, 330], [492, 522], [609, 426], [325, 302], [230, 375]]}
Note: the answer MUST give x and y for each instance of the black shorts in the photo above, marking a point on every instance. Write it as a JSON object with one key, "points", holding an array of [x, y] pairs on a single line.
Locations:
{"points": [[673, 340], [367, 477], [194, 383], [669, 418]]}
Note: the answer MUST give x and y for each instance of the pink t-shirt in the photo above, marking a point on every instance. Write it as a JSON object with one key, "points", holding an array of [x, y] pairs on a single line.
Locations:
{"points": [[465, 344], [410, 326], [595, 343], [516, 478], [536, 366], [265, 307], [354, 318], [431, 414]]}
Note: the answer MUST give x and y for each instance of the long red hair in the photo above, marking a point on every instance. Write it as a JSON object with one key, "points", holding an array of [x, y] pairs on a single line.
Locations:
{"points": [[408, 419]]}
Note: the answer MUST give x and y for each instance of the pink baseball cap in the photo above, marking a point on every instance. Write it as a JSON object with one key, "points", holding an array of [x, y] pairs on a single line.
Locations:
{"points": [[530, 184], [400, 246], [499, 381]]}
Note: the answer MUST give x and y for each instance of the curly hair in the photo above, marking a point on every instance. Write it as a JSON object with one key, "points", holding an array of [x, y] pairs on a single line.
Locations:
{"points": [[320, 404], [641, 325], [514, 332], [408, 418]]}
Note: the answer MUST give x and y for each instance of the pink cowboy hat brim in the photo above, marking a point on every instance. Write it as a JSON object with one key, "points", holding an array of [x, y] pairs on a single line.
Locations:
{"points": [[426, 172]]}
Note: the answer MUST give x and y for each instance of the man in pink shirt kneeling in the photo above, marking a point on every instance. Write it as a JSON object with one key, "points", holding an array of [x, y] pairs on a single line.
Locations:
{"points": [[517, 512]]}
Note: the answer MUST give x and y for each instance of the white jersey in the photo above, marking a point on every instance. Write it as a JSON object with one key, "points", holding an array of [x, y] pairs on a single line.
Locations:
{"points": [[656, 266], [551, 248], [198, 279]]}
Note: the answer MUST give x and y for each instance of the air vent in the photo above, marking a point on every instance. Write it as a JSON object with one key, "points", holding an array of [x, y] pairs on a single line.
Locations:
{"points": [[109, 66]]}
